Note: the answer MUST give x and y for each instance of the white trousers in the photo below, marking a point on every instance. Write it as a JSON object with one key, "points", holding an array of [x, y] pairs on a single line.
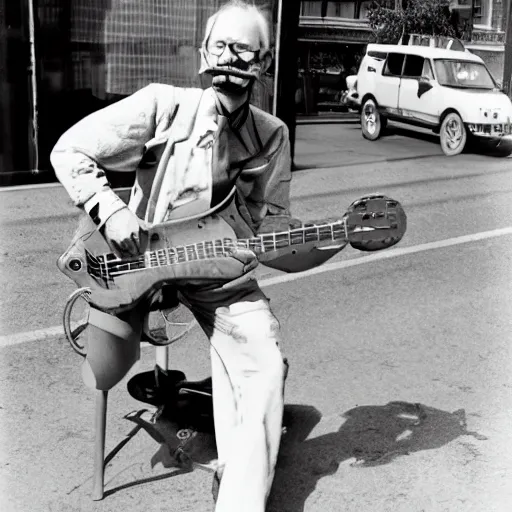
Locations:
{"points": [[248, 378]]}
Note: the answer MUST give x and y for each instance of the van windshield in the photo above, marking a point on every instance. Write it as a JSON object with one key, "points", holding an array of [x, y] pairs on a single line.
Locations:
{"points": [[463, 74]]}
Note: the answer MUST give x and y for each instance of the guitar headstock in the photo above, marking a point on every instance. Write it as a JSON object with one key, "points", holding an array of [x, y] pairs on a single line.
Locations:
{"points": [[375, 222]]}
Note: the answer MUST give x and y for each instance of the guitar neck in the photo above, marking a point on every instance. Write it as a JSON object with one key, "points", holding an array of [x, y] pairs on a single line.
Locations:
{"points": [[268, 242], [108, 266], [259, 244]]}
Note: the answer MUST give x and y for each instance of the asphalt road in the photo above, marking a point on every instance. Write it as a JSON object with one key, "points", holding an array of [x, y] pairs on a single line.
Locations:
{"points": [[368, 337]]}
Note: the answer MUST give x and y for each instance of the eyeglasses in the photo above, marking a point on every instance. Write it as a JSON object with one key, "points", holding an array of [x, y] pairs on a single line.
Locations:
{"points": [[238, 49]]}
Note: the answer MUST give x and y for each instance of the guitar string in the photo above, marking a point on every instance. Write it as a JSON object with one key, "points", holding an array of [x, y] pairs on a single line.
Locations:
{"points": [[202, 250], [161, 259], [218, 248]]}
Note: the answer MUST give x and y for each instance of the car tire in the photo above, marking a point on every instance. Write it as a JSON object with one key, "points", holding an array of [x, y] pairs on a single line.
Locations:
{"points": [[373, 123], [453, 134]]}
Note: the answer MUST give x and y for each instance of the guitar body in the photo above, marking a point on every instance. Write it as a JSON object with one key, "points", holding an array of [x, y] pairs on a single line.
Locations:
{"points": [[206, 251], [89, 256]]}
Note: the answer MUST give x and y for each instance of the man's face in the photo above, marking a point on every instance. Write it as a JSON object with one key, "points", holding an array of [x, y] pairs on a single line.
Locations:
{"points": [[233, 51]]}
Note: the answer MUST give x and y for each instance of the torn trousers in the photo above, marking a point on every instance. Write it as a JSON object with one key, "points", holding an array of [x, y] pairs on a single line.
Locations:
{"points": [[247, 376]]}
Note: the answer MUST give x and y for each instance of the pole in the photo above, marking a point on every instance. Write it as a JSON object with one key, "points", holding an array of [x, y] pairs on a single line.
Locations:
{"points": [[277, 74], [285, 76], [33, 76], [507, 64], [100, 428]]}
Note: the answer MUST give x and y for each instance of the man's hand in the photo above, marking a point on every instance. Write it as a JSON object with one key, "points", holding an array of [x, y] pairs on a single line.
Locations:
{"points": [[125, 234]]}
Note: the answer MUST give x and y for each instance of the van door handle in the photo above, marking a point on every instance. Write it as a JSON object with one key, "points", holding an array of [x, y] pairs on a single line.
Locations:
{"points": [[371, 70]]}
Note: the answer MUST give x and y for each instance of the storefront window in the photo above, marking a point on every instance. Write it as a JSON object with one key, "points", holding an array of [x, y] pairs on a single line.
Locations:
{"points": [[363, 11], [346, 9], [340, 9], [482, 13], [323, 71], [94, 52], [15, 127]]}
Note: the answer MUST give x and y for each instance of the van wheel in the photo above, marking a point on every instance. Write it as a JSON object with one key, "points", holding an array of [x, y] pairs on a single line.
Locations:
{"points": [[372, 122], [453, 134]]}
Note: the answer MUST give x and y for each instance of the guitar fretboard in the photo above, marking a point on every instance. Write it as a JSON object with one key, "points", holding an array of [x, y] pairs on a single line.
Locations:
{"points": [[109, 266]]}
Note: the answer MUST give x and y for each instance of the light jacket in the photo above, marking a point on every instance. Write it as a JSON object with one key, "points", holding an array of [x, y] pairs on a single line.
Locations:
{"points": [[164, 134]]}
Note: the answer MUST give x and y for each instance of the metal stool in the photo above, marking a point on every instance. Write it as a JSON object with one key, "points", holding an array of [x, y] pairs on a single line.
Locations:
{"points": [[75, 321]]}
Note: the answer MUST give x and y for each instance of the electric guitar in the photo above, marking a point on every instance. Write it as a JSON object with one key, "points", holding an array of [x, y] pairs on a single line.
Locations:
{"points": [[206, 249]]}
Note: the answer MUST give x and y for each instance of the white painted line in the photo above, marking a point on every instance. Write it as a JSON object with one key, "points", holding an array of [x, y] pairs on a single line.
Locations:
{"points": [[41, 334], [384, 255], [34, 186], [26, 337]]}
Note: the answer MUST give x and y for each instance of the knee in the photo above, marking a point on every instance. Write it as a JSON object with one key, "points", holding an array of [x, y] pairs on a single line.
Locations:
{"points": [[273, 367]]}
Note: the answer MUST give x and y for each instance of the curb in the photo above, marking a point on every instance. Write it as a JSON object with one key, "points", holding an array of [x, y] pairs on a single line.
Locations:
{"points": [[327, 119]]}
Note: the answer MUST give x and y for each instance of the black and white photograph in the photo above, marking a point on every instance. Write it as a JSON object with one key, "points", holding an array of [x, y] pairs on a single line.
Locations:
{"points": [[255, 255]]}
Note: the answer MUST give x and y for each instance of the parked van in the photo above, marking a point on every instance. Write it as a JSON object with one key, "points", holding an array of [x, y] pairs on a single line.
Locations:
{"points": [[451, 92]]}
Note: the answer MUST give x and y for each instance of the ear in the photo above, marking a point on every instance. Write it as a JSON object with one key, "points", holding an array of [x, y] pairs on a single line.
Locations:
{"points": [[266, 60]]}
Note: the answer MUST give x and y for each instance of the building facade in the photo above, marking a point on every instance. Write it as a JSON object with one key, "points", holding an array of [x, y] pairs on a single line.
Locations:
{"points": [[332, 45], [488, 36], [60, 60], [63, 59]]}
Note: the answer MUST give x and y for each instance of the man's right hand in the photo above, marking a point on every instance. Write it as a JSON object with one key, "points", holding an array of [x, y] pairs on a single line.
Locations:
{"points": [[125, 234]]}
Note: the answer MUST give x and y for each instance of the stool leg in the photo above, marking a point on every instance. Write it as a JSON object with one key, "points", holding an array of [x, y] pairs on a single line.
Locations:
{"points": [[100, 425], [162, 357]]}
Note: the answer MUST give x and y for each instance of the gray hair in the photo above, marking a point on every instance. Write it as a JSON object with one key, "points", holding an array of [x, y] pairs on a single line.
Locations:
{"points": [[261, 17]]}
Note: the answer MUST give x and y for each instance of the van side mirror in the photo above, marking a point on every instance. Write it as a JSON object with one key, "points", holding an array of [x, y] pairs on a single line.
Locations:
{"points": [[424, 85]]}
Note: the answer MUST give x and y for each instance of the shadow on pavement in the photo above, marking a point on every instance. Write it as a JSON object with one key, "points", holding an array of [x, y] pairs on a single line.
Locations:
{"points": [[411, 134], [184, 442], [370, 436], [150, 479]]}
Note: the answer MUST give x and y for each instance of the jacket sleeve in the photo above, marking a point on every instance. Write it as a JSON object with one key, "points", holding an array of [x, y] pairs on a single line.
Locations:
{"points": [[110, 139]]}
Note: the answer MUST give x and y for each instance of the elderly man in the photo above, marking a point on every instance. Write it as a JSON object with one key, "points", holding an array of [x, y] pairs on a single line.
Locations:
{"points": [[189, 148]]}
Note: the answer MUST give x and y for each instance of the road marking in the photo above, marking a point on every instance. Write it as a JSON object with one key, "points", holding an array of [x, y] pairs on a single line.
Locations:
{"points": [[50, 332], [26, 337], [34, 186], [391, 253]]}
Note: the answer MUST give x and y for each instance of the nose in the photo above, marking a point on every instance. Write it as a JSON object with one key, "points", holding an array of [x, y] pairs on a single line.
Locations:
{"points": [[226, 56]]}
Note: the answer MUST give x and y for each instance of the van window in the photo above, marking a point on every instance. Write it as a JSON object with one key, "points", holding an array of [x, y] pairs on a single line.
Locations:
{"points": [[427, 70], [413, 66], [394, 64]]}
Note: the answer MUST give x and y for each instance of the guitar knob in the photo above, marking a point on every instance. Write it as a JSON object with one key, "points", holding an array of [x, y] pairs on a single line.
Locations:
{"points": [[75, 264]]}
